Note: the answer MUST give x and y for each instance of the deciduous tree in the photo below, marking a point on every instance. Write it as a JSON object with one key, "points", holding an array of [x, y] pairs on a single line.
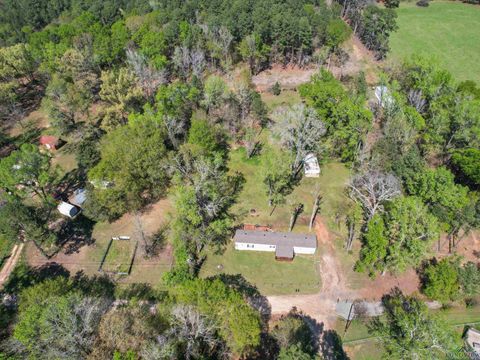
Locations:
{"points": [[441, 280], [410, 332], [299, 129], [133, 164], [411, 230], [372, 189], [28, 170]]}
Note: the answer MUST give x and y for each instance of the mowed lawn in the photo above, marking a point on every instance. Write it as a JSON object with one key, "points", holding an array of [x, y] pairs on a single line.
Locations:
{"points": [[447, 30], [271, 277], [119, 256], [252, 204], [261, 269]]}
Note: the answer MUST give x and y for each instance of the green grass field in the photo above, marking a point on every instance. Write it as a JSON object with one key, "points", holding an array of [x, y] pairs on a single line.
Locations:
{"points": [[446, 30], [332, 182], [119, 256], [261, 269], [286, 97]]}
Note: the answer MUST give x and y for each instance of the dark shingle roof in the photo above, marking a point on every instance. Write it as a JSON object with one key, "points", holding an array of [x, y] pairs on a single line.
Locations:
{"points": [[275, 238]]}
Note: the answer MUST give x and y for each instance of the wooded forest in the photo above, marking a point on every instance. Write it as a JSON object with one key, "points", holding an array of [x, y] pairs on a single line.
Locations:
{"points": [[152, 98]]}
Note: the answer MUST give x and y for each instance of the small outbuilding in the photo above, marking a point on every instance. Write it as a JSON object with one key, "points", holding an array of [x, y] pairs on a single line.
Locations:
{"points": [[285, 245], [472, 337], [68, 210], [311, 166], [79, 197], [383, 96], [49, 142]]}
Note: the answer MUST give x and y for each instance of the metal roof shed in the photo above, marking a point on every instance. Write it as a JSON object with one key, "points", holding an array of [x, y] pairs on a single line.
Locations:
{"points": [[79, 197], [312, 168], [67, 209]]}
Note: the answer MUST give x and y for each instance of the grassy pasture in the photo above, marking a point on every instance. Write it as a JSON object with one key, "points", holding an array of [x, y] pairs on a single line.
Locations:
{"points": [[446, 30]]}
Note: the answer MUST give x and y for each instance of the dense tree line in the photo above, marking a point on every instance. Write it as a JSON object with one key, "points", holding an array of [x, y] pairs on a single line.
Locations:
{"points": [[91, 318], [371, 23], [427, 119]]}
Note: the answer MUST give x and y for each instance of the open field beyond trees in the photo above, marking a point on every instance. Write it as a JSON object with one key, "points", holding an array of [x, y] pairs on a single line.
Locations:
{"points": [[136, 138], [447, 30]]}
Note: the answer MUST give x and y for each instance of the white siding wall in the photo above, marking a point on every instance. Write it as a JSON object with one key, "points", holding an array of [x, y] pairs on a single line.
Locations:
{"points": [[303, 250], [254, 247]]}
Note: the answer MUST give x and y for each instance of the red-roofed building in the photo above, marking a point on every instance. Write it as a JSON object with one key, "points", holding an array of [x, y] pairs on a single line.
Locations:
{"points": [[50, 142]]}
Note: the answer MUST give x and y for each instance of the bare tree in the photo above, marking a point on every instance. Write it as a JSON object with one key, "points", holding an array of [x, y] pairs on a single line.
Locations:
{"points": [[161, 348], [71, 328], [220, 40], [299, 129], [189, 61], [224, 40], [316, 206], [196, 332], [177, 128], [149, 78], [297, 209], [416, 99], [372, 188], [251, 141]]}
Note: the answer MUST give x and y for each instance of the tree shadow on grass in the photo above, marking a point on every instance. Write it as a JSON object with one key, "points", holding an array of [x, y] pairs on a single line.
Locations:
{"points": [[75, 234], [96, 285], [24, 276], [328, 342], [331, 346]]}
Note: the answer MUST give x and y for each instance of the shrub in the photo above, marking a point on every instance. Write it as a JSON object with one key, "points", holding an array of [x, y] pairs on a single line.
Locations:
{"points": [[276, 89], [423, 3], [390, 4]]}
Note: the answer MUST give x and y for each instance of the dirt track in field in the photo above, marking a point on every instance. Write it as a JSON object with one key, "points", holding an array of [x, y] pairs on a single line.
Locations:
{"points": [[321, 306], [10, 264]]}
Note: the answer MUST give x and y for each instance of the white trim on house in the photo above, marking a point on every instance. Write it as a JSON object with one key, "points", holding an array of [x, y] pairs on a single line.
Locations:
{"points": [[254, 247], [304, 250], [250, 240]]}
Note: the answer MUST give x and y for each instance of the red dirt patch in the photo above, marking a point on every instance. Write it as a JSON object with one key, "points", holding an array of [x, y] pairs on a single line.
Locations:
{"points": [[289, 77]]}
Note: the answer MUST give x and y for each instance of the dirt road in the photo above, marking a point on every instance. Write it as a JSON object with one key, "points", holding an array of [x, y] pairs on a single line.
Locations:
{"points": [[320, 306], [335, 285], [10, 264]]}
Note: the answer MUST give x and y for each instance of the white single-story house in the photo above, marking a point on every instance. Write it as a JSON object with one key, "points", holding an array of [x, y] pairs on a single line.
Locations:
{"points": [[472, 338], [68, 210], [310, 164], [285, 245], [383, 96]]}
